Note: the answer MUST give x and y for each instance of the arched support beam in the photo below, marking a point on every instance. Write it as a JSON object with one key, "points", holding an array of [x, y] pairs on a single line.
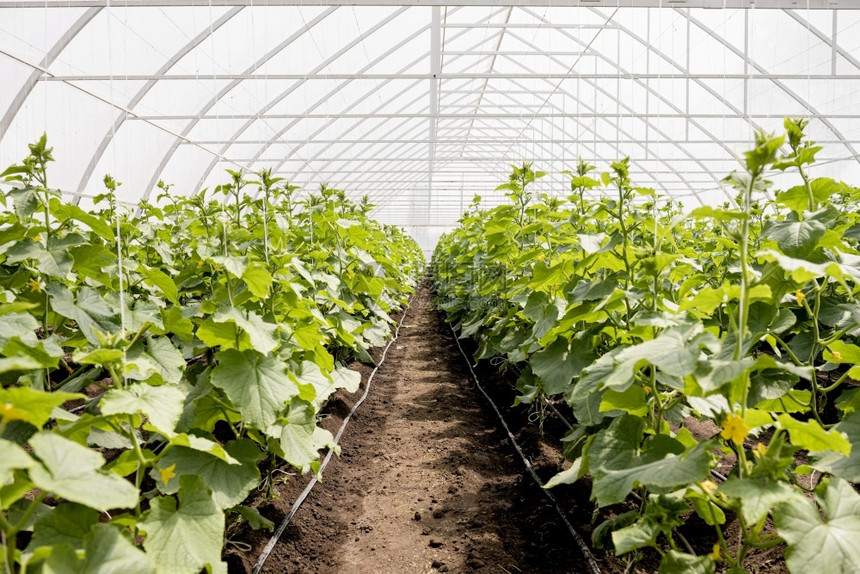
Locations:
{"points": [[226, 90], [120, 119], [294, 87], [47, 61]]}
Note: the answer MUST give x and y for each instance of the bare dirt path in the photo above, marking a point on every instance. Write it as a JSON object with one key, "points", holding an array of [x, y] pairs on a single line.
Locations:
{"points": [[425, 482]]}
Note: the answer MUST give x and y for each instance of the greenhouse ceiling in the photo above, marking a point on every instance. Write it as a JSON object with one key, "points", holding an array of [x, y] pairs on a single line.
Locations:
{"points": [[423, 105]]}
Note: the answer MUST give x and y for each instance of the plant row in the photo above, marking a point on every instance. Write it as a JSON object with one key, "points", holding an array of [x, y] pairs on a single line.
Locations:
{"points": [[646, 318], [154, 362]]}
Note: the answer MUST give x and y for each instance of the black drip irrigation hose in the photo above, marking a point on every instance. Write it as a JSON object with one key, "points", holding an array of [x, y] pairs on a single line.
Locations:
{"points": [[592, 563], [277, 536]]}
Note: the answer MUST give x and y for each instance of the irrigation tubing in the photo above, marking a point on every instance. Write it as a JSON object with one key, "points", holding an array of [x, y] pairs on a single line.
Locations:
{"points": [[297, 504], [592, 563]]}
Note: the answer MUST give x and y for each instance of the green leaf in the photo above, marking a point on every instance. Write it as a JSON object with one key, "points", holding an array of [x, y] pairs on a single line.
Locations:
{"points": [[822, 545], [166, 359], [230, 483], [631, 401], [20, 325], [72, 472], [63, 211], [203, 445], [757, 497], [255, 520], [176, 323], [90, 261], [812, 436], [836, 464], [557, 364], [12, 457], [66, 524], [160, 281], [842, 352], [797, 198], [796, 238], [612, 486], [185, 538], [214, 334], [256, 384], [161, 405], [348, 379], [109, 552], [262, 335], [675, 562], [53, 260], [568, 476], [32, 406], [88, 310], [258, 279]]}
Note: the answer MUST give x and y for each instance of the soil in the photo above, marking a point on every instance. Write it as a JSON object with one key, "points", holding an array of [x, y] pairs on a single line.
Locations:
{"points": [[427, 482]]}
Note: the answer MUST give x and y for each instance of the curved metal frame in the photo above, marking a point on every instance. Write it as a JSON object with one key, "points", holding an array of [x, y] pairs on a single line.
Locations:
{"points": [[410, 160]]}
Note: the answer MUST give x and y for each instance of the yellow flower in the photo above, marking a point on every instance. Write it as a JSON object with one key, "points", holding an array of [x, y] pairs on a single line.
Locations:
{"points": [[837, 356], [167, 473], [35, 286], [200, 264], [541, 257], [735, 429], [37, 239], [760, 450], [708, 486], [715, 553], [9, 413], [799, 296]]}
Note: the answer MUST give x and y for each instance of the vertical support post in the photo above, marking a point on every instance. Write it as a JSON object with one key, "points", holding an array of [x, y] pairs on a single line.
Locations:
{"points": [[833, 44], [435, 72], [746, 61], [687, 81]]}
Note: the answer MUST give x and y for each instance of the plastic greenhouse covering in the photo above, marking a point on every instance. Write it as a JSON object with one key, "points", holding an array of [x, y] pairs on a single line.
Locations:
{"points": [[420, 106]]}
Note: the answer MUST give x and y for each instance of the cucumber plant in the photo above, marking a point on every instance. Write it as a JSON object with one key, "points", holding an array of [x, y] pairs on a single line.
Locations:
{"points": [[645, 319]]}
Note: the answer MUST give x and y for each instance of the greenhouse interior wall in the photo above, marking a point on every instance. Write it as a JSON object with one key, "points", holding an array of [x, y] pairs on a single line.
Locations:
{"points": [[420, 106]]}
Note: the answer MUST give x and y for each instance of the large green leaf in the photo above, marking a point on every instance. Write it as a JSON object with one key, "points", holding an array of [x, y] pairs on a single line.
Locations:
{"points": [[796, 238], [161, 405], [53, 260], [612, 486], [72, 472], [109, 552], [230, 483], [32, 406], [557, 364], [847, 468], [300, 438], [822, 540], [159, 354], [186, 537], [91, 260], [161, 281], [63, 211], [12, 457], [262, 335], [87, 309], [758, 497], [675, 562], [812, 436], [258, 385], [258, 279], [66, 524]]}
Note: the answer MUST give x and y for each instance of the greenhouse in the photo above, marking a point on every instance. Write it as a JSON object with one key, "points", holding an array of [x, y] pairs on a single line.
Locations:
{"points": [[364, 286]]}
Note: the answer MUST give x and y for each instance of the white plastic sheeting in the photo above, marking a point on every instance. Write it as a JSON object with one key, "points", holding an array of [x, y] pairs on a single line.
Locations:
{"points": [[420, 106]]}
